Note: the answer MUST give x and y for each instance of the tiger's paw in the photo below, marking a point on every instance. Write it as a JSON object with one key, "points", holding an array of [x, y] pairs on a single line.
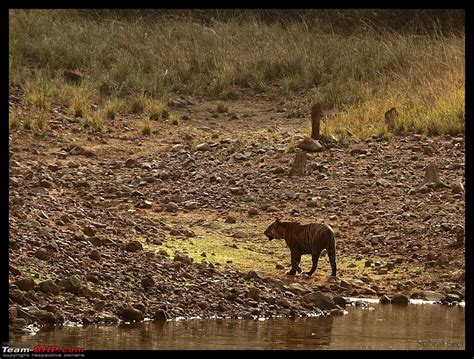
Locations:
{"points": [[291, 273], [309, 274]]}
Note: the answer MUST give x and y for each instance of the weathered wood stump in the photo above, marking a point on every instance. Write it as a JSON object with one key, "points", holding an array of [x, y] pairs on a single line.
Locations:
{"points": [[432, 177], [315, 121], [299, 164], [390, 118], [431, 180]]}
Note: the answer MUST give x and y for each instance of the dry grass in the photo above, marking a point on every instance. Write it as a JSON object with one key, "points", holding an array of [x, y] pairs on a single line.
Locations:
{"points": [[147, 127], [360, 75]]}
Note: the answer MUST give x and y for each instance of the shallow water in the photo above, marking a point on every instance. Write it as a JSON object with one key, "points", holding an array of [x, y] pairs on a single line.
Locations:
{"points": [[416, 326]]}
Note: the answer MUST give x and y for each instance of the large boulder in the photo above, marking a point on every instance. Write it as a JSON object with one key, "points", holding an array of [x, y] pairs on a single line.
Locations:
{"points": [[320, 300], [132, 314]]}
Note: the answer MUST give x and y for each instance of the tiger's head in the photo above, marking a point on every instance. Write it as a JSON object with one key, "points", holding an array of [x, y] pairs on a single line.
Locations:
{"points": [[271, 231]]}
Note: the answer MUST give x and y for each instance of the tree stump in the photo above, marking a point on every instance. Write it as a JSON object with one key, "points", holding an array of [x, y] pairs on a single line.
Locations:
{"points": [[432, 179], [315, 121], [390, 118], [299, 164]]}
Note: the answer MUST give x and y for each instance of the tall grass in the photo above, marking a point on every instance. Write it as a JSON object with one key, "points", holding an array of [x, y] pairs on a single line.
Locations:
{"points": [[360, 75]]}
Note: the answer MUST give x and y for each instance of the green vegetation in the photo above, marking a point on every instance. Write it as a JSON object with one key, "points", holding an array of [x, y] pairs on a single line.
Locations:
{"points": [[359, 72], [157, 110], [146, 127]]}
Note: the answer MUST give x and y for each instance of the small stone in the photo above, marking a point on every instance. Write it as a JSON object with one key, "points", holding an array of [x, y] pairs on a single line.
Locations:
{"points": [[230, 219], [161, 315], [133, 246], [252, 212], [147, 282], [43, 315], [236, 190], [95, 255], [42, 254], [221, 108], [400, 299], [358, 150], [131, 163], [431, 295], [280, 266], [240, 234], [320, 300], [385, 300], [254, 293], [283, 302], [132, 314], [203, 147], [457, 187], [49, 287], [442, 259], [310, 145], [191, 205], [25, 284], [340, 301], [171, 207], [184, 258], [72, 284], [89, 231]]}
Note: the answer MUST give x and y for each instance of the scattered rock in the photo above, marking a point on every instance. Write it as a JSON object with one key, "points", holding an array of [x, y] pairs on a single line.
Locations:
{"points": [[340, 301], [283, 302], [203, 147], [130, 163], [320, 300], [431, 295], [94, 254], [161, 316], [49, 287], [172, 207], [254, 293], [42, 254], [184, 258], [230, 219], [25, 284], [252, 212], [131, 314], [310, 145], [384, 300], [457, 187], [400, 299], [72, 284], [133, 246], [240, 234]]}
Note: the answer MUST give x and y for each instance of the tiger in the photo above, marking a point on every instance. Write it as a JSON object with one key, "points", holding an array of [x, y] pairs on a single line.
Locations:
{"points": [[305, 239]]}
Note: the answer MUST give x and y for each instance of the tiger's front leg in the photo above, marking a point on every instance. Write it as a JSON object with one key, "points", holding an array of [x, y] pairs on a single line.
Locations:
{"points": [[295, 261]]}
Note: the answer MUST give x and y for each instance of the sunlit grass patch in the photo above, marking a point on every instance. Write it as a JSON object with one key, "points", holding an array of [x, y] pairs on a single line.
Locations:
{"points": [[147, 127], [112, 108], [157, 109]]}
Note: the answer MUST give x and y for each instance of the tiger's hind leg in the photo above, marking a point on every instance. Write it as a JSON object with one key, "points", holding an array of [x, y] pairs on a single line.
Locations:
{"points": [[332, 257], [315, 263]]}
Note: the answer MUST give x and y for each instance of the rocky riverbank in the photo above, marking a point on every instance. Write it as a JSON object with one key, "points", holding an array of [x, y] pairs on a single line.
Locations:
{"points": [[120, 226]]}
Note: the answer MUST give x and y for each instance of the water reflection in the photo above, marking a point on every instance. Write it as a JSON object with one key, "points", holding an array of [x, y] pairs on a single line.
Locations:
{"points": [[386, 327]]}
